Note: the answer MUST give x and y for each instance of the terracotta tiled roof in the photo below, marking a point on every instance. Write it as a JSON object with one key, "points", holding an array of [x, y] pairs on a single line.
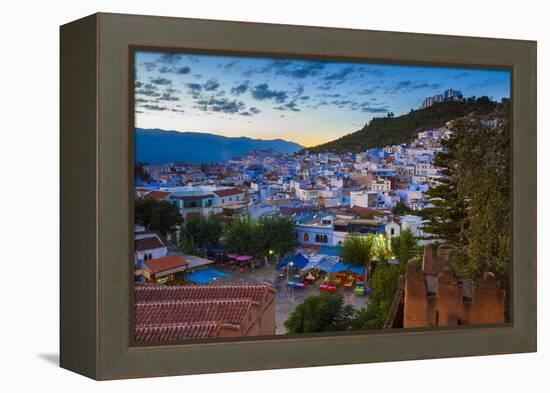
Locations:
{"points": [[193, 311], [157, 195], [228, 192], [159, 293], [147, 243], [168, 313], [165, 263], [199, 331], [190, 196]]}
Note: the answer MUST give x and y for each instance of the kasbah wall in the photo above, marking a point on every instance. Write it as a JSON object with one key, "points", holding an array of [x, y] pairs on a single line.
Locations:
{"points": [[435, 297]]}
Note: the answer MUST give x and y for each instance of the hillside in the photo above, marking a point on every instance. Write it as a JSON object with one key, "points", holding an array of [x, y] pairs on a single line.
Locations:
{"points": [[387, 131], [156, 146]]}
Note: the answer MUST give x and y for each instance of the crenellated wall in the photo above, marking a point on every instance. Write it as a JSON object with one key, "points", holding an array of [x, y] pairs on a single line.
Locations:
{"points": [[434, 296]]}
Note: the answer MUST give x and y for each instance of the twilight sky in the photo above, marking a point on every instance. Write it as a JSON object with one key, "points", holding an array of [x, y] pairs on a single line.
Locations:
{"points": [[308, 102]]}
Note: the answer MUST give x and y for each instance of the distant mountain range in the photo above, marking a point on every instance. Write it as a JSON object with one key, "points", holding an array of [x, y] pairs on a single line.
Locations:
{"points": [[157, 146]]}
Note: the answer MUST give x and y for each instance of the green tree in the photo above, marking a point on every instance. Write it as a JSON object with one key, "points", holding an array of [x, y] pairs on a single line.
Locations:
{"points": [[404, 247], [279, 234], [320, 313], [257, 238], [447, 218], [140, 173], [161, 216], [358, 250], [199, 233], [484, 183], [186, 242], [205, 231], [383, 282], [401, 209], [242, 236], [383, 285], [472, 207]]}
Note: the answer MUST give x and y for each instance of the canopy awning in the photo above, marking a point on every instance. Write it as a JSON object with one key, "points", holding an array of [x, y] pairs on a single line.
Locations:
{"points": [[205, 276], [297, 260]]}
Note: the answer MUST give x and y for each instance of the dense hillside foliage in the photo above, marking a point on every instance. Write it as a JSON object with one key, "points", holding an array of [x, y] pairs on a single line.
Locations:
{"points": [[389, 130], [471, 207]]}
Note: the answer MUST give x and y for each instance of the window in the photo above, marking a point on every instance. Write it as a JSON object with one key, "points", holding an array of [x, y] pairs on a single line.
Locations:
{"points": [[306, 237], [147, 257], [392, 231], [317, 238]]}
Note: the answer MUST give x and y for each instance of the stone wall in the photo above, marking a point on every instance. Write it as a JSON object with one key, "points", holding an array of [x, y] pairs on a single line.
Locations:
{"points": [[434, 296]]}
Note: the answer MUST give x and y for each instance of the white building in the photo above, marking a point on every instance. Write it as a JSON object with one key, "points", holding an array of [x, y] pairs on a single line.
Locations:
{"points": [[392, 229], [147, 246], [380, 185], [412, 223], [308, 194], [363, 198]]}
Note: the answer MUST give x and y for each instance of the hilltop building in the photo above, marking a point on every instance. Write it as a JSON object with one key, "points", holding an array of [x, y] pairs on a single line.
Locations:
{"points": [[448, 95]]}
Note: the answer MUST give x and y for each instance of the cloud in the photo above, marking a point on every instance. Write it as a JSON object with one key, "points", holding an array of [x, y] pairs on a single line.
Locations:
{"points": [[228, 66], [168, 97], [325, 86], [161, 81], [155, 107], [289, 106], [251, 111], [340, 75], [223, 105], [149, 66], [170, 58], [484, 83], [408, 86], [262, 92], [194, 87], [211, 85], [174, 70], [148, 92], [368, 108], [425, 85], [240, 88], [289, 68], [463, 74], [350, 104], [138, 84], [366, 92], [298, 69], [183, 70], [402, 85]]}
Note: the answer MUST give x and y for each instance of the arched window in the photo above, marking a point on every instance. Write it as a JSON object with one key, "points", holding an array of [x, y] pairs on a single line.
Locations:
{"points": [[306, 237], [325, 239], [317, 238]]}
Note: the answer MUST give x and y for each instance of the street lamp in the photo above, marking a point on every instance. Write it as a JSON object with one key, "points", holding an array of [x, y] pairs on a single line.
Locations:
{"points": [[288, 270]]}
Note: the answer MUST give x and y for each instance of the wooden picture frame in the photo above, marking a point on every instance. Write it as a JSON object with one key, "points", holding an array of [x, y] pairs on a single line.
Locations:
{"points": [[97, 197]]}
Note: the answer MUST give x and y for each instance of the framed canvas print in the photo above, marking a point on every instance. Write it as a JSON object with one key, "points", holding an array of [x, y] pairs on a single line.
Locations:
{"points": [[240, 196]]}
